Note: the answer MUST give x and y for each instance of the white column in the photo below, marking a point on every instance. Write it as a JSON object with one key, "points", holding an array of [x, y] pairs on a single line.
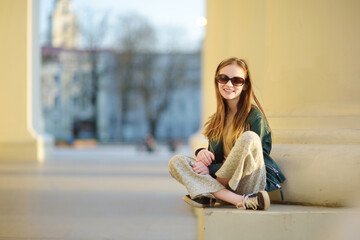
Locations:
{"points": [[21, 135], [45, 141]]}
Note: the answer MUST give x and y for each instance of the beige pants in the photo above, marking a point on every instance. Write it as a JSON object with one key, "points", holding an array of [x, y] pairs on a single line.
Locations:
{"points": [[244, 166]]}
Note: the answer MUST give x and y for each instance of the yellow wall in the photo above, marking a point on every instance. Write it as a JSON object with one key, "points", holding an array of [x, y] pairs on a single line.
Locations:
{"points": [[16, 142], [303, 57], [13, 15]]}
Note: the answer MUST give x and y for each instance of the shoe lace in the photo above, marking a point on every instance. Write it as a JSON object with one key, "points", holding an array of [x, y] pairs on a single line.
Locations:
{"points": [[251, 202]]}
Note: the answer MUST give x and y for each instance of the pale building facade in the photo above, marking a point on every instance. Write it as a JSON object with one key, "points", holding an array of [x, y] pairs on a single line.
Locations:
{"points": [[64, 27], [67, 91]]}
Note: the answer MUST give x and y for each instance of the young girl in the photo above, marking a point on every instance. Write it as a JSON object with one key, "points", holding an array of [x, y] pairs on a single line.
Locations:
{"points": [[236, 167]]}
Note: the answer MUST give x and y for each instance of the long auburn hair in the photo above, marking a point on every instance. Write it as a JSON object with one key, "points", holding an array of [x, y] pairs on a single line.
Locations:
{"points": [[214, 127]]}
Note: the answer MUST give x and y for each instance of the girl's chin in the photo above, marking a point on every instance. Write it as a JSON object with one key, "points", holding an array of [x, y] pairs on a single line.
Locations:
{"points": [[230, 98], [227, 96]]}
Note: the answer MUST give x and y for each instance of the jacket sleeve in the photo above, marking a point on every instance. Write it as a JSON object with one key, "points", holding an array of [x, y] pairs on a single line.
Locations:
{"points": [[198, 150], [274, 176], [213, 168]]}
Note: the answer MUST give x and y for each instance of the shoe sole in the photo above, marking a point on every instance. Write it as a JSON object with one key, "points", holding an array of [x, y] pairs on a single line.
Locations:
{"points": [[266, 199], [193, 203]]}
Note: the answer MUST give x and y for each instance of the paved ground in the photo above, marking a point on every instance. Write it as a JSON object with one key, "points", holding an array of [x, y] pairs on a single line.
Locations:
{"points": [[103, 193]]}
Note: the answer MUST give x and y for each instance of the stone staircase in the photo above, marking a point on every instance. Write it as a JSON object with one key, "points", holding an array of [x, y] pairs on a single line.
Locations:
{"points": [[321, 197], [280, 222]]}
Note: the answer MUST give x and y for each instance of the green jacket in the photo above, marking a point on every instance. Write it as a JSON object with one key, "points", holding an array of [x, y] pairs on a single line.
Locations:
{"points": [[259, 125]]}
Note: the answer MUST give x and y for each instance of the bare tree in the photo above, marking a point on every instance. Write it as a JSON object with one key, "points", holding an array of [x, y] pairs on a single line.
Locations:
{"points": [[94, 32], [144, 71], [157, 90], [135, 40]]}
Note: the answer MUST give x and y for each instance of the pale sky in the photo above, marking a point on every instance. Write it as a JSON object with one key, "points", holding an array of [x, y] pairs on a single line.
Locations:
{"points": [[163, 14]]}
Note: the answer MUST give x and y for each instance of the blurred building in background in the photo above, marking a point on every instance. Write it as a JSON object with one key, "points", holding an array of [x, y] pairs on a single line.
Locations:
{"points": [[67, 91], [67, 98], [63, 30], [117, 95]]}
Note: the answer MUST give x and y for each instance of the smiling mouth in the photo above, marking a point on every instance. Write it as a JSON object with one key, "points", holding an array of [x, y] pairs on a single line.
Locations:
{"points": [[228, 90]]}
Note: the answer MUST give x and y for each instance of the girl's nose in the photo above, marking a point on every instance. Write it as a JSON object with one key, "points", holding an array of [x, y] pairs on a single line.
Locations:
{"points": [[229, 83]]}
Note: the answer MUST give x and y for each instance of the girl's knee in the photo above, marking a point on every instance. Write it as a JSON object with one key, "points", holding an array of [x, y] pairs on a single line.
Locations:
{"points": [[176, 160], [249, 137]]}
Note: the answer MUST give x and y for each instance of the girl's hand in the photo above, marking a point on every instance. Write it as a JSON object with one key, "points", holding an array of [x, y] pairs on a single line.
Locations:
{"points": [[200, 168], [205, 156]]}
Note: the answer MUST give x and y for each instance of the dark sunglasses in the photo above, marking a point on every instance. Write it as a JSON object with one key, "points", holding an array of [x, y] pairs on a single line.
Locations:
{"points": [[236, 81]]}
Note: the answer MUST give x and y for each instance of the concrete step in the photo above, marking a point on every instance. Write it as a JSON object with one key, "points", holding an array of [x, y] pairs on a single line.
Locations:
{"points": [[316, 136], [318, 174], [279, 222]]}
